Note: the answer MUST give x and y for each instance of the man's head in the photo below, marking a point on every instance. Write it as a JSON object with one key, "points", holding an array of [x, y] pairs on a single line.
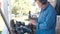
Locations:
{"points": [[41, 2]]}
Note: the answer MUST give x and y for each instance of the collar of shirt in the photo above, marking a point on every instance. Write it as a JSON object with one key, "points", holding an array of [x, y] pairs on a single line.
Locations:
{"points": [[46, 7]]}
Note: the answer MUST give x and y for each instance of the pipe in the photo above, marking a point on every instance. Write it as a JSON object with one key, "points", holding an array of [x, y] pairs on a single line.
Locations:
{"points": [[6, 22]]}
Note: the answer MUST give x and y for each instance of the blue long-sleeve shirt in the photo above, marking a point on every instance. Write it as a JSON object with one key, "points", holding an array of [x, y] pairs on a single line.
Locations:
{"points": [[46, 22]]}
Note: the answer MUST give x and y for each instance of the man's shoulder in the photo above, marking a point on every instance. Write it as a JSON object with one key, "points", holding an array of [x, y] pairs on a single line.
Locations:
{"points": [[51, 8]]}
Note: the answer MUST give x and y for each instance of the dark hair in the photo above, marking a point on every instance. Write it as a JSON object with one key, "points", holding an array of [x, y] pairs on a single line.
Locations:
{"points": [[42, 1]]}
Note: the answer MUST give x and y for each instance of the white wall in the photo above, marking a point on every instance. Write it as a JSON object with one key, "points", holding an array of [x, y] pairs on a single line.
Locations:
{"points": [[53, 2]]}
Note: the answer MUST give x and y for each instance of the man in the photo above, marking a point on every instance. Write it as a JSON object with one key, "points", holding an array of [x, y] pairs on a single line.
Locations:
{"points": [[46, 22]]}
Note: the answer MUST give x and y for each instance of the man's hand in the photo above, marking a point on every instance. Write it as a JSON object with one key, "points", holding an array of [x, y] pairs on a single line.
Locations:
{"points": [[32, 22]]}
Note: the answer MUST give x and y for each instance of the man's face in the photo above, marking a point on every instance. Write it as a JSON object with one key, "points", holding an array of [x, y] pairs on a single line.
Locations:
{"points": [[38, 3]]}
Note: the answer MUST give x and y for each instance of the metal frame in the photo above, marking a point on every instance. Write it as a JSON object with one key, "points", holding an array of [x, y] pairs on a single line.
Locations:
{"points": [[5, 21]]}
